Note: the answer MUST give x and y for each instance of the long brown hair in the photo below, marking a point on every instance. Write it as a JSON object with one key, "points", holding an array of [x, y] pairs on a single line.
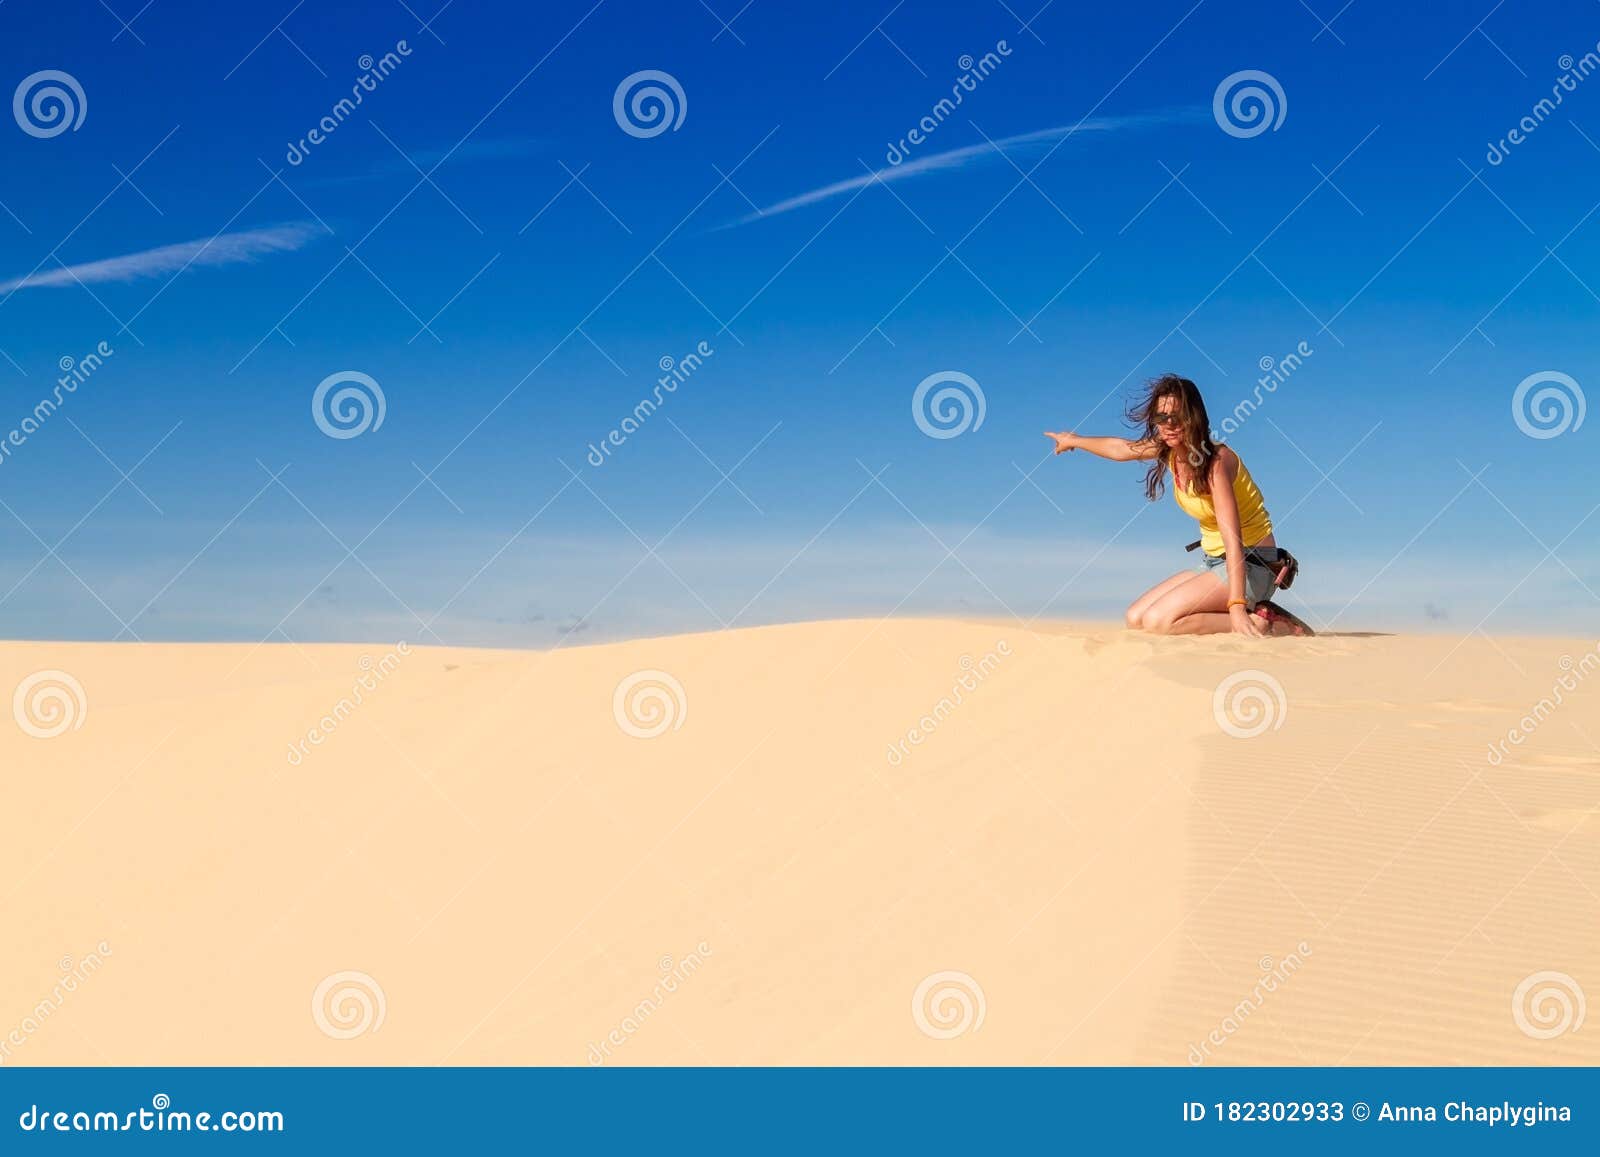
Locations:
{"points": [[1199, 450]]}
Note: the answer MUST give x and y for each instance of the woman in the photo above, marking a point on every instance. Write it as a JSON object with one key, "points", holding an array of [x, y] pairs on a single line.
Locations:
{"points": [[1210, 483]]}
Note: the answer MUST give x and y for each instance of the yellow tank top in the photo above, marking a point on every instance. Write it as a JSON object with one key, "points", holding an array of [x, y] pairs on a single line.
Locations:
{"points": [[1254, 521]]}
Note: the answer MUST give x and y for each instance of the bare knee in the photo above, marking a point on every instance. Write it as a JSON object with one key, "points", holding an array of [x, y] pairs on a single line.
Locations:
{"points": [[1144, 619]]}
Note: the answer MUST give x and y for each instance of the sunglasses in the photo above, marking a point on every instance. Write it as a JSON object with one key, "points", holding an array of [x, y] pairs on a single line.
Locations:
{"points": [[1167, 418]]}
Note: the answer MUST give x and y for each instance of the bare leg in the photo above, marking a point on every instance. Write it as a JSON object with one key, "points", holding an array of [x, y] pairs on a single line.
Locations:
{"points": [[1141, 605], [1196, 607], [1204, 623]]}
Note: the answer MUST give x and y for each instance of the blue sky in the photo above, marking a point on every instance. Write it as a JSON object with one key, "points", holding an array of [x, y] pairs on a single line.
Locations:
{"points": [[514, 308]]}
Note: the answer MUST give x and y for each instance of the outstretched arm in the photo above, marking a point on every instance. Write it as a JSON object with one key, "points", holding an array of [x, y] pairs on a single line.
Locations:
{"points": [[1112, 449]]}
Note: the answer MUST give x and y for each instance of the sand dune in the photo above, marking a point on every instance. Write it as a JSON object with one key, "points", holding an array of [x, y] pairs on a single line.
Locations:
{"points": [[926, 842]]}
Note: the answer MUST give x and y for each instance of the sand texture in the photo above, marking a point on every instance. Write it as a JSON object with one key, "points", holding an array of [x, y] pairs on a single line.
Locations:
{"points": [[916, 841]]}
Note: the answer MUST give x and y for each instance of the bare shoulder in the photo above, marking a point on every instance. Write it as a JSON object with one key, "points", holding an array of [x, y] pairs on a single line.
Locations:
{"points": [[1226, 461]]}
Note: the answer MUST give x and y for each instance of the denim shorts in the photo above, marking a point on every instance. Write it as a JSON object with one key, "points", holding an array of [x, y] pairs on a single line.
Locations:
{"points": [[1260, 584]]}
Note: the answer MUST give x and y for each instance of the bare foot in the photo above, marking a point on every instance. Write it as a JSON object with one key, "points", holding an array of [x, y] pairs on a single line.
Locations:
{"points": [[1280, 622]]}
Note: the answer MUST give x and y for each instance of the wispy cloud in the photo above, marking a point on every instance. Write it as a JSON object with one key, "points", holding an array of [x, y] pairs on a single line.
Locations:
{"points": [[223, 249], [425, 159], [1021, 144]]}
